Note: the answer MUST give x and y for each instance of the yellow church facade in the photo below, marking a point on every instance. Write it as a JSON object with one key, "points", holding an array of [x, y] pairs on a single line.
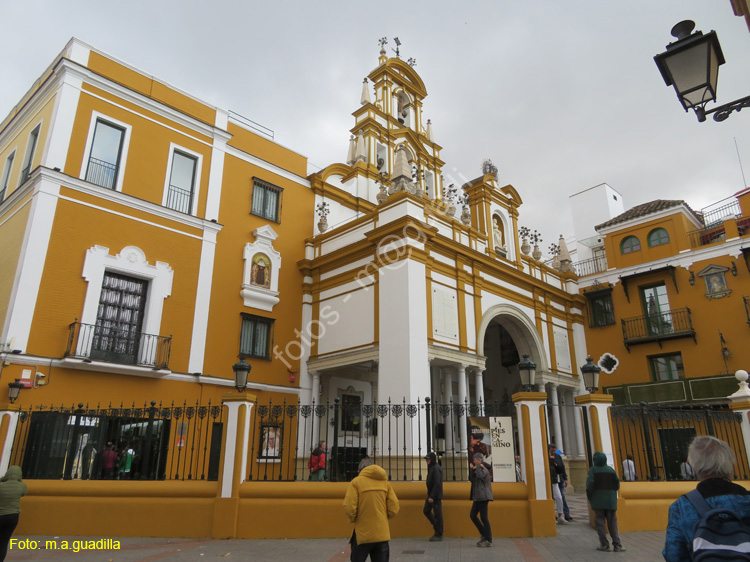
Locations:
{"points": [[154, 238]]}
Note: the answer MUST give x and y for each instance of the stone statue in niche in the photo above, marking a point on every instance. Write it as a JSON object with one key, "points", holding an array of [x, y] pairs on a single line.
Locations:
{"points": [[260, 272], [497, 235]]}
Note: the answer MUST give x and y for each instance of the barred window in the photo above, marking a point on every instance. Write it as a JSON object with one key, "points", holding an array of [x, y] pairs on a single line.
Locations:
{"points": [[601, 308], [256, 336], [266, 200]]}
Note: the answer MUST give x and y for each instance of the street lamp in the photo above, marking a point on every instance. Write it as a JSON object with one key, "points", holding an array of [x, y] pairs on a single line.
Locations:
{"points": [[14, 389], [527, 369], [691, 65], [241, 371], [590, 373]]}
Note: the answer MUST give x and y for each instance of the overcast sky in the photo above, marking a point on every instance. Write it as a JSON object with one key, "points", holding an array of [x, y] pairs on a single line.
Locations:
{"points": [[561, 95]]}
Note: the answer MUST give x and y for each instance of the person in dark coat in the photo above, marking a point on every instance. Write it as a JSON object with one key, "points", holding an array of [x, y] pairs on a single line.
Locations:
{"points": [[481, 494], [12, 489], [713, 463], [562, 483], [433, 505], [602, 484]]}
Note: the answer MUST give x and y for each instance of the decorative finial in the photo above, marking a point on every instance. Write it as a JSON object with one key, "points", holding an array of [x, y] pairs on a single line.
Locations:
{"points": [[412, 62], [398, 44], [383, 41]]}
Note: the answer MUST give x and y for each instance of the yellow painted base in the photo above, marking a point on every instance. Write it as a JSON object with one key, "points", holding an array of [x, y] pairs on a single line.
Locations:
{"points": [[262, 510]]}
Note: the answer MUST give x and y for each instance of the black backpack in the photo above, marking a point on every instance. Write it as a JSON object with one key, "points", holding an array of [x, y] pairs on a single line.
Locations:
{"points": [[719, 535]]}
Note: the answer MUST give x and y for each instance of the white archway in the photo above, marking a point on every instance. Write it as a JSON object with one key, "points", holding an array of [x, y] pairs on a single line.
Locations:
{"points": [[522, 330]]}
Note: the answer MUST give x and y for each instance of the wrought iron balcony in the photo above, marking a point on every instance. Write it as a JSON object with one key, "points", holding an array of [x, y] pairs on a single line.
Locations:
{"points": [[115, 344], [179, 199], [101, 173], [657, 327], [590, 266]]}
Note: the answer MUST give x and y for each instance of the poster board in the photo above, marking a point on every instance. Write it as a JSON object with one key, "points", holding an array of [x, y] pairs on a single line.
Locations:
{"points": [[493, 437]]}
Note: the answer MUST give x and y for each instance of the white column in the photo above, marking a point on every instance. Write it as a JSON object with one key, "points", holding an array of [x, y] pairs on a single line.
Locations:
{"points": [[565, 420], [461, 373], [10, 437], [236, 445], [315, 391], [581, 450], [448, 400], [479, 387], [559, 440]]}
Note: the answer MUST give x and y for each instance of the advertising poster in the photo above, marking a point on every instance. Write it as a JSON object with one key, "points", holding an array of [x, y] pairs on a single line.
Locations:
{"points": [[493, 437]]}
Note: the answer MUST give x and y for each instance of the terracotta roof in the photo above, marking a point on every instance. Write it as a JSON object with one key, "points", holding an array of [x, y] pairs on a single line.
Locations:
{"points": [[647, 209]]}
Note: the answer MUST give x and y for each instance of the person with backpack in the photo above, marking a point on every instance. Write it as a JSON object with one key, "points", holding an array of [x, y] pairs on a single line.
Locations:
{"points": [[711, 522], [317, 463], [602, 484]]}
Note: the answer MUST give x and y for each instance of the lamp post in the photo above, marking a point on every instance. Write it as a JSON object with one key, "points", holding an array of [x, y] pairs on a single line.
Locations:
{"points": [[241, 371], [527, 369], [590, 373], [691, 65], [14, 389]]}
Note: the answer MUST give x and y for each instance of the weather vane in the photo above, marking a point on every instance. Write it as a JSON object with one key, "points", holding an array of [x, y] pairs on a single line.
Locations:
{"points": [[398, 44], [412, 62], [383, 41]]}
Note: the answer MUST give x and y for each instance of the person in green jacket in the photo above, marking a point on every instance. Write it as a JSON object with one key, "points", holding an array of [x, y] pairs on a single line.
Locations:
{"points": [[602, 484], [12, 489]]}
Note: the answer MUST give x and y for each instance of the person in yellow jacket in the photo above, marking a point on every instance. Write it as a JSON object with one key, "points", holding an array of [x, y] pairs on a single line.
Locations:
{"points": [[369, 503]]}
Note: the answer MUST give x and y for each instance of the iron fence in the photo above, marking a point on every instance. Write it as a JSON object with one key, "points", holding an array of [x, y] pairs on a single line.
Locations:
{"points": [[153, 442], [396, 435], [658, 438], [101, 173]]}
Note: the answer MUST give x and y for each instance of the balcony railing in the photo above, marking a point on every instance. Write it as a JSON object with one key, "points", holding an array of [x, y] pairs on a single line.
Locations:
{"points": [[590, 266], [657, 327], [716, 231], [101, 173], [102, 342], [179, 199]]}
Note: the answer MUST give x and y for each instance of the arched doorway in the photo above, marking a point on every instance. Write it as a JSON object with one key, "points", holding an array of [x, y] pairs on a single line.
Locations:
{"points": [[506, 334]]}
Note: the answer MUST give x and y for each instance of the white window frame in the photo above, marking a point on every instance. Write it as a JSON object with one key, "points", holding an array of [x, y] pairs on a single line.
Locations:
{"points": [[95, 116], [28, 157], [130, 261], [197, 181], [5, 178]]}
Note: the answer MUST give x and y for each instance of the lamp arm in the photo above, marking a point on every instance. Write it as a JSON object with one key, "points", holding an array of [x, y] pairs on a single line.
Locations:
{"points": [[723, 111]]}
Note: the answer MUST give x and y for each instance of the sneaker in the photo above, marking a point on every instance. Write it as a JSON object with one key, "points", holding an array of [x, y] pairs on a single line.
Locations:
{"points": [[486, 544], [481, 541], [436, 538], [603, 547], [561, 521], [618, 548], [569, 518]]}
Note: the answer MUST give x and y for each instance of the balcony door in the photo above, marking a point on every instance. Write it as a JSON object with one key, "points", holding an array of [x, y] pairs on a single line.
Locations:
{"points": [[656, 310], [106, 150], [119, 319]]}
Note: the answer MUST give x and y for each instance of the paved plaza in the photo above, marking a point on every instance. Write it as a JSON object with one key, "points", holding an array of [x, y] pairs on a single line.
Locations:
{"points": [[575, 541]]}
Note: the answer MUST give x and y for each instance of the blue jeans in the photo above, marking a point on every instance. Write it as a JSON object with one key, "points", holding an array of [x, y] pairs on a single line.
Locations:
{"points": [[566, 509]]}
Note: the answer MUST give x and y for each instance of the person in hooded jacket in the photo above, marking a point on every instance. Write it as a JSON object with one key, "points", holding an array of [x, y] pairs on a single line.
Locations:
{"points": [[12, 489], [602, 484], [369, 503]]}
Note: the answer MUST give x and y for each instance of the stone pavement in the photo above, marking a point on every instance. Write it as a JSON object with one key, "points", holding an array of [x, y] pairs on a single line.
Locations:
{"points": [[575, 541]]}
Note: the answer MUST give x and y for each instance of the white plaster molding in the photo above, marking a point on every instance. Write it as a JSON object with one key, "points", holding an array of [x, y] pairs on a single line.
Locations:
{"points": [[33, 254], [56, 146], [202, 303], [123, 158], [130, 261], [255, 295], [196, 175]]}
